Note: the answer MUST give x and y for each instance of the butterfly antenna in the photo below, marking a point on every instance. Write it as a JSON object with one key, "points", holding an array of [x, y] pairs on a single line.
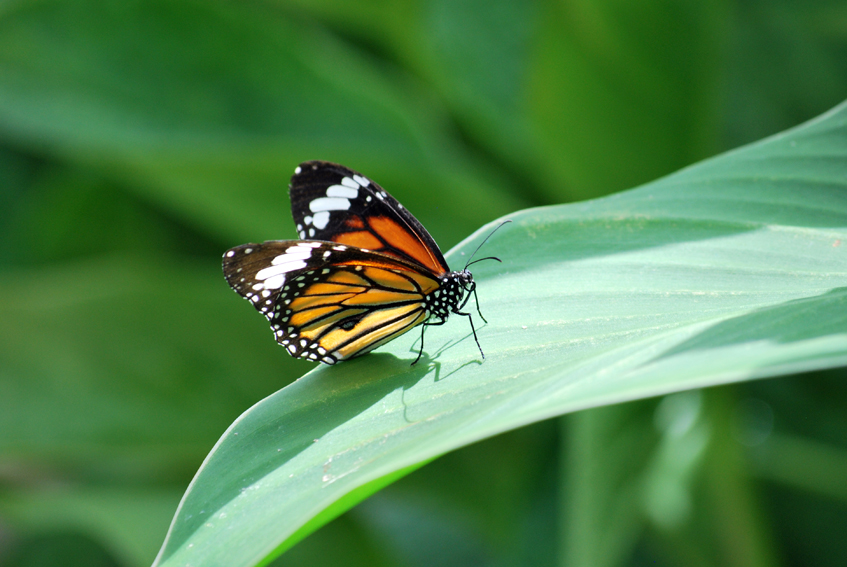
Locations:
{"points": [[481, 259], [483, 242]]}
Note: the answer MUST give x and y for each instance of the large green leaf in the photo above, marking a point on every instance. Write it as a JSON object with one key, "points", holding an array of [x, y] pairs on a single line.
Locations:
{"points": [[729, 270]]}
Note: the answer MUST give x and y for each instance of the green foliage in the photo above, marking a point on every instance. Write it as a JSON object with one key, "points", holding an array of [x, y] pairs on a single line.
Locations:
{"points": [[694, 280], [139, 140]]}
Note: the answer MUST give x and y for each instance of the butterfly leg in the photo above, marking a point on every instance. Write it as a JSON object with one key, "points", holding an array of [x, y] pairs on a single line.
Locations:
{"points": [[476, 299], [470, 319], [472, 289], [423, 327]]}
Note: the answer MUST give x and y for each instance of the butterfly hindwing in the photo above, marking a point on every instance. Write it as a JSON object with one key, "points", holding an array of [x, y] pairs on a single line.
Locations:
{"points": [[333, 203], [326, 301]]}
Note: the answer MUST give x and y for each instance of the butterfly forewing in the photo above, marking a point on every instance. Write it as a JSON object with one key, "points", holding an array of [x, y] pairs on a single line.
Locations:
{"points": [[326, 301], [333, 203]]}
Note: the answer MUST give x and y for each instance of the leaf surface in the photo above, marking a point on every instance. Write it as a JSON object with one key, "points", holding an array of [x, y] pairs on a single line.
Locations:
{"points": [[732, 269]]}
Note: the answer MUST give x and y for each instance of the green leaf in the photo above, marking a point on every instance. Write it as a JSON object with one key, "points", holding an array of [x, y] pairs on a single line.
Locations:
{"points": [[206, 107], [729, 270]]}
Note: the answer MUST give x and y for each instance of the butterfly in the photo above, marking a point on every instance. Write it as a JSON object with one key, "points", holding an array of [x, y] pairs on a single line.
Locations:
{"points": [[363, 272]]}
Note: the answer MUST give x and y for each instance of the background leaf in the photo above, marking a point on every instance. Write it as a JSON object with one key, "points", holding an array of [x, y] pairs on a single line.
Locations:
{"points": [[728, 270]]}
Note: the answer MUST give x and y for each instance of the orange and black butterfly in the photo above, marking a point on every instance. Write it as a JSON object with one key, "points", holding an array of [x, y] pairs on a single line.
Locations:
{"points": [[365, 272]]}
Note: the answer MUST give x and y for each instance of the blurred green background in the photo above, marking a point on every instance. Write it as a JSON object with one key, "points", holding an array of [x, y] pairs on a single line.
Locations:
{"points": [[141, 139]]}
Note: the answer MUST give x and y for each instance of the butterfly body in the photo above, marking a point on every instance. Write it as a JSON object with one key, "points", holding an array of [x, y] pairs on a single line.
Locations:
{"points": [[365, 272]]}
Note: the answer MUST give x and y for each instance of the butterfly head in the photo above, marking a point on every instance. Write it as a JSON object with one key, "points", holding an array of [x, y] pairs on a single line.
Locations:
{"points": [[451, 296], [464, 283], [465, 279]]}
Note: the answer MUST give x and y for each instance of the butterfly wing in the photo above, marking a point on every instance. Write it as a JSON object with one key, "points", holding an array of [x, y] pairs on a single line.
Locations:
{"points": [[326, 301], [331, 202]]}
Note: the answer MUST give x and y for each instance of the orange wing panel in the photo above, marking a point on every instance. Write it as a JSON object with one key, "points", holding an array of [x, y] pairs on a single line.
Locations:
{"points": [[355, 221], [313, 301], [360, 238], [347, 278], [313, 330], [410, 316], [378, 297], [331, 288], [390, 278], [398, 237], [302, 318]]}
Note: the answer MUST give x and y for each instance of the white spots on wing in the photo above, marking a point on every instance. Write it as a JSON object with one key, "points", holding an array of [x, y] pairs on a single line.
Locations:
{"points": [[342, 192], [297, 170], [322, 219], [327, 254], [338, 198], [301, 250], [230, 254], [275, 282], [248, 250], [339, 248], [296, 255], [329, 203], [294, 258]]}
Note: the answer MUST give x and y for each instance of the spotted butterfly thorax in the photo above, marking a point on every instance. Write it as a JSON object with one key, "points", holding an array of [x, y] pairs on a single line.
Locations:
{"points": [[364, 272]]}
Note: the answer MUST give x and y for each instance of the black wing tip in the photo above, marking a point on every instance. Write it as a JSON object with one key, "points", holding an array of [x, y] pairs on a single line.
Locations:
{"points": [[233, 254], [232, 264], [316, 165]]}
